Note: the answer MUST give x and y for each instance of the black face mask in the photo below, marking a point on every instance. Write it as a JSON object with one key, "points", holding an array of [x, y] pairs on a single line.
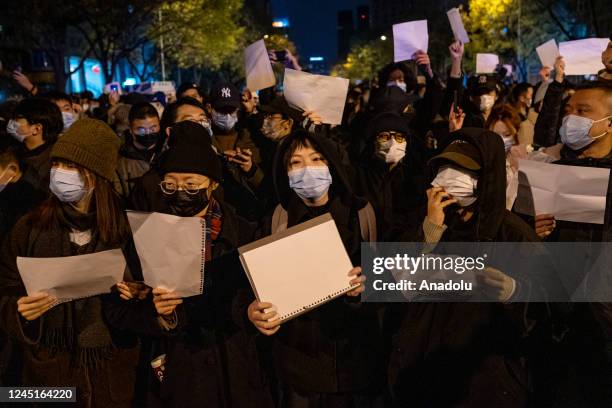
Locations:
{"points": [[147, 140], [187, 205]]}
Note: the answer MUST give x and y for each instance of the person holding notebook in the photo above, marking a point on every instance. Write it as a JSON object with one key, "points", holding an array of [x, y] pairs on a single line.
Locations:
{"points": [[330, 356], [210, 356], [71, 344]]}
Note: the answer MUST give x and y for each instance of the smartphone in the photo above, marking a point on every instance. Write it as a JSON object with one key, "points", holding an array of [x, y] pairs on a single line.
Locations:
{"points": [[455, 103], [114, 88]]}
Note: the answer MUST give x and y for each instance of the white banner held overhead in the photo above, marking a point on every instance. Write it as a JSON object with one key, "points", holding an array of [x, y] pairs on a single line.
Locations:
{"points": [[259, 73], [456, 23], [583, 57], [409, 38]]}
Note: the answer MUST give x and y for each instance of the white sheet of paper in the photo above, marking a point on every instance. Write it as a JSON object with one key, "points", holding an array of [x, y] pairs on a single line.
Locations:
{"points": [[73, 277], [548, 53], [570, 193], [310, 267], [583, 57], [324, 95], [259, 73], [454, 17], [408, 38], [486, 63], [170, 250]]}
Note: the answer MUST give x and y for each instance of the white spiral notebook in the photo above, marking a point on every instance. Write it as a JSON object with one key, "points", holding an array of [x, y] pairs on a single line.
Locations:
{"points": [[300, 268]]}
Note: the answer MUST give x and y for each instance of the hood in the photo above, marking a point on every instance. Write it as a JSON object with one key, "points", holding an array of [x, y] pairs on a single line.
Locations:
{"points": [[340, 185], [491, 191]]}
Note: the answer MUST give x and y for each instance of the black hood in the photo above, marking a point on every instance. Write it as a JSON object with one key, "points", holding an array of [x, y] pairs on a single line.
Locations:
{"points": [[491, 191], [340, 187]]}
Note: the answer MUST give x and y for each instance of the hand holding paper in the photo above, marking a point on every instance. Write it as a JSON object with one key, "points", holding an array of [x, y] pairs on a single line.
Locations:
{"points": [[408, 38]]}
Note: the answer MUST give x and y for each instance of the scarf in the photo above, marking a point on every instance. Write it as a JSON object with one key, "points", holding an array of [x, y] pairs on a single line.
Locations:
{"points": [[213, 227]]}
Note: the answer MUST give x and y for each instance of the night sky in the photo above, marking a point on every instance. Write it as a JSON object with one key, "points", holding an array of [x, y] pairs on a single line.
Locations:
{"points": [[313, 24]]}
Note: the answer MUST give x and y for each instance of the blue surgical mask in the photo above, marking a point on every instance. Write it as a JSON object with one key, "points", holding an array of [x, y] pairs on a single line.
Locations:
{"points": [[310, 182], [68, 118], [224, 121], [67, 185], [575, 131]]}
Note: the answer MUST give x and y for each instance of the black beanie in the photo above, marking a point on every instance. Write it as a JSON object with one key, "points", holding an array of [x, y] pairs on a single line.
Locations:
{"points": [[190, 151], [389, 121]]}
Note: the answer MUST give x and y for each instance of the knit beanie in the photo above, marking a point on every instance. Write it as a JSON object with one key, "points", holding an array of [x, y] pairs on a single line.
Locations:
{"points": [[190, 151], [92, 144]]}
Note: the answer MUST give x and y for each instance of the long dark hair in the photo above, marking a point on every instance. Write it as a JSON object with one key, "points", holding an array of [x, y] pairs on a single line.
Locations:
{"points": [[111, 223]]}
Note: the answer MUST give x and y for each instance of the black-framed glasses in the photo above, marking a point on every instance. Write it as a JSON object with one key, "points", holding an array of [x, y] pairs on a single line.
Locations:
{"points": [[386, 136], [169, 187]]}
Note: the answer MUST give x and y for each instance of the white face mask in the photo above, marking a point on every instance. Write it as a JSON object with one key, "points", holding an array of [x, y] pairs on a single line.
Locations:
{"points": [[225, 122], [399, 84], [12, 128], [486, 102], [460, 184], [575, 131], [392, 151], [67, 185]]}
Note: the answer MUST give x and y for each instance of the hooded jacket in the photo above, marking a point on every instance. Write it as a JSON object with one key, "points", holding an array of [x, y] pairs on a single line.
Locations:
{"points": [[334, 348], [132, 164], [466, 354], [398, 193]]}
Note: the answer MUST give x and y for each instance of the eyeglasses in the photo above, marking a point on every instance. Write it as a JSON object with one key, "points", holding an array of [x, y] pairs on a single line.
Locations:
{"points": [[144, 131], [169, 187], [386, 136]]}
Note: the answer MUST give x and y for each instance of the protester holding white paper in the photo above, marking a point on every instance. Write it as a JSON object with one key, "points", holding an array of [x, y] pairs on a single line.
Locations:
{"points": [[310, 181], [72, 344], [201, 327]]}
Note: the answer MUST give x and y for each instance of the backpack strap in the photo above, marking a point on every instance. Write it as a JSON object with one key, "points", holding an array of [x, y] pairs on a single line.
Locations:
{"points": [[279, 219], [367, 223]]}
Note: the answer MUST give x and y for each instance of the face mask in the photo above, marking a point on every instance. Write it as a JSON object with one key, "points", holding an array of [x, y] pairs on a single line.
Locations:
{"points": [[508, 143], [67, 185], [69, 118], [147, 139], [6, 183], [392, 151], [270, 132], [184, 204], [459, 184], [486, 102], [12, 128], [85, 107], [225, 122], [310, 182], [399, 84], [575, 130], [206, 125]]}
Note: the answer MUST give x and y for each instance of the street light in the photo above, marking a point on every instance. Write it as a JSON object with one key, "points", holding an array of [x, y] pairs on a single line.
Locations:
{"points": [[266, 36], [383, 37]]}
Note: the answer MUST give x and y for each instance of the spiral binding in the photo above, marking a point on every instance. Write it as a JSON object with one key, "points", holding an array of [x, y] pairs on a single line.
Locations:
{"points": [[316, 303], [203, 223]]}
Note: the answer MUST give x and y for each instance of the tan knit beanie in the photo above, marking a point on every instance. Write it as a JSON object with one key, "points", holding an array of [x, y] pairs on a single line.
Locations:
{"points": [[91, 144]]}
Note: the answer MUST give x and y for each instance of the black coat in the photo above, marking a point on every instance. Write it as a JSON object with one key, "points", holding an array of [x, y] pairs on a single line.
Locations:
{"points": [[465, 354], [212, 356], [336, 347], [546, 130]]}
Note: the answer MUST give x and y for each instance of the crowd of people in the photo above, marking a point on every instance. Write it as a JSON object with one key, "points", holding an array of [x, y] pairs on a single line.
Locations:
{"points": [[418, 158]]}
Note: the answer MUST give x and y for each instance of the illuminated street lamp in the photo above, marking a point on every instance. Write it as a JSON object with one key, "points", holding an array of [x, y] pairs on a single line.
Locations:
{"points": [[383, 37]]}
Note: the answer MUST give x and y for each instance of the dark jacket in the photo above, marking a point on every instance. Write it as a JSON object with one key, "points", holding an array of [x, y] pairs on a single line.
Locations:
{"points": [[104, 376], [587, 364], [334, 348], [466, 354], [546, 131], [397, 194], [39, 160], [16, 200], [212, 355], [132, 165]]}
